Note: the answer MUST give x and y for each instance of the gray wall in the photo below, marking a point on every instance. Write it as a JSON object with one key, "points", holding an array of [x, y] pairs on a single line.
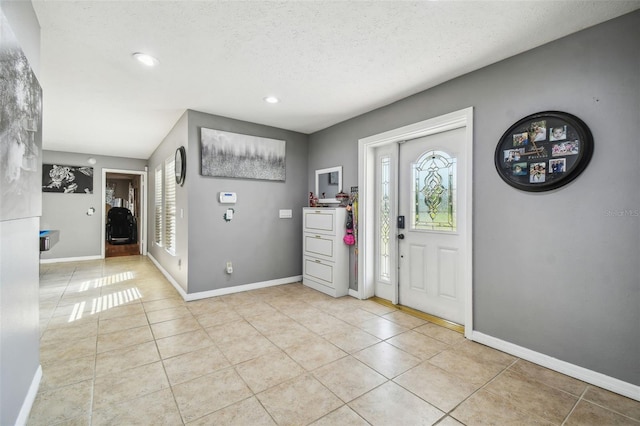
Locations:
{"points": [[80, 234], [555, 272], [261, 246], [176, 265], [19, 269]]}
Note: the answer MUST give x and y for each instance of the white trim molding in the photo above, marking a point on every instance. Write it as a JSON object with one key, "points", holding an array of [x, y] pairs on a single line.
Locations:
{"points": [[71, 259], [366, 210], [142, 214], [168, 276], [189, 297], [589, 376], [241, 288], [29, 399]]}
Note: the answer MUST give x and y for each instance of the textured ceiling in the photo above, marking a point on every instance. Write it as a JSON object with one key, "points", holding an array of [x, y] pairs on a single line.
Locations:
{"points": [[326, 61]]}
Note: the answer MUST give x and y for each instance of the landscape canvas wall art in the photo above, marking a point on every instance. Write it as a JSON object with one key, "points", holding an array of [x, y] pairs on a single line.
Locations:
{"points": [[20, 131], [233, 155]]}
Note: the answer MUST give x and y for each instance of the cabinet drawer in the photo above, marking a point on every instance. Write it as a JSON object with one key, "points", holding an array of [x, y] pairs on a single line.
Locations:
{"points": [[319, 271], [319, 246], [319, 221]]}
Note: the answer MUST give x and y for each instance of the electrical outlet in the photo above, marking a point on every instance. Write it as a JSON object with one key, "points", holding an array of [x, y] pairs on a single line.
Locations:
{"points": [[229, 268]]}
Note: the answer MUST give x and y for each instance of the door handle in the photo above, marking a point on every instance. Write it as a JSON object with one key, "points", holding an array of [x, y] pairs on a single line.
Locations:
{"points": [[401, 236]]}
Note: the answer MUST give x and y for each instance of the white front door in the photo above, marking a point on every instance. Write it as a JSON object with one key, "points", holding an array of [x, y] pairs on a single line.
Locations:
{"points": [[432, 247]]}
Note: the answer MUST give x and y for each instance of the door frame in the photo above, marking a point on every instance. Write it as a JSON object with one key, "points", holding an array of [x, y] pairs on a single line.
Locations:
{"points": [[143, 207], [367, 205]]}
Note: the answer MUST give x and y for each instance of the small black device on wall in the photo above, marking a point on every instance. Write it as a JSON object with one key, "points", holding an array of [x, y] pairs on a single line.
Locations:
{"points": [[544, 151], [400, 222]]}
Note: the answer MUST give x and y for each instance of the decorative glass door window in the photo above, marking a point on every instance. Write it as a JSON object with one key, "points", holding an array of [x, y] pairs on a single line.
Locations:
{"points": [[434, 192], [385, 220]]}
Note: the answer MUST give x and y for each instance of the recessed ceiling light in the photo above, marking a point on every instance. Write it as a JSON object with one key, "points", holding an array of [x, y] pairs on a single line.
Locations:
{"points": [[271, 100], [147, 60]]}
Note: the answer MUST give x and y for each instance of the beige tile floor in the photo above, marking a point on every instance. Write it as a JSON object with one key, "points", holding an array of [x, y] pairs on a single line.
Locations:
{"points": [[120, 347]]}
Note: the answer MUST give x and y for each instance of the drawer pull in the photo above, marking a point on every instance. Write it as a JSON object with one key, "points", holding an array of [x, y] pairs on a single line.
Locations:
{"points": [[318, 236], [317, 261]]}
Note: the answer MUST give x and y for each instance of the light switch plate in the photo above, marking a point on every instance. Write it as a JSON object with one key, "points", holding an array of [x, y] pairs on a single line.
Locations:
{"points": [[286, 213]]}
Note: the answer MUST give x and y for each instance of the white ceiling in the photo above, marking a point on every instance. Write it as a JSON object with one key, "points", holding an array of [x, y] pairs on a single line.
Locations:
{"points": [[327, 61]]}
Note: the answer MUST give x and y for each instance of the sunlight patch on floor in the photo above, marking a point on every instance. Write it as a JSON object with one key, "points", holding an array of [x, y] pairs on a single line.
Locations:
{"points": [[106, 281], [106, 302]]}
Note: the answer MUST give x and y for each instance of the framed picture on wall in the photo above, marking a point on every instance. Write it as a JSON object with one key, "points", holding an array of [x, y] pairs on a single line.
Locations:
{"points": [[234, 155], [544, 151], [20, 131], [67, 179]]}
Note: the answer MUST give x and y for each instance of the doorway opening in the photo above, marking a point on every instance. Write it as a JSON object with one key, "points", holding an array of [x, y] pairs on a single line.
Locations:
{"points": [[369, 150], [124, 215]]}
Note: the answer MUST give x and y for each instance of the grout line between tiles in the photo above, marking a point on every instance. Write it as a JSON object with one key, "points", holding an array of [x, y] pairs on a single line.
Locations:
{"points": [[478, 390], [582, 398], [281, 306], [575, 405], [95, 372]]}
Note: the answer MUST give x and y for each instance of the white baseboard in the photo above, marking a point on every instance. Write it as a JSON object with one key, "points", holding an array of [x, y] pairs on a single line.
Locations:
{"points": [[70, 259], [241, 288], [589, 376], [354, 293], [188, 297], [23, 416], [168, 276]]}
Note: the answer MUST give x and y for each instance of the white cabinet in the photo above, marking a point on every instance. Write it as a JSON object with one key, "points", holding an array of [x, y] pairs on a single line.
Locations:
{"points": [[325, 258]]}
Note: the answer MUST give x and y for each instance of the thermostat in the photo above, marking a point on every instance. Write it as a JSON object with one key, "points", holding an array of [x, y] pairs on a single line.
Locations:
{"points": [[228, 197]]}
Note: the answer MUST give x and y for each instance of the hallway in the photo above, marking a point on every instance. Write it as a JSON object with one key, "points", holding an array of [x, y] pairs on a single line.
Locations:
{"points": [[119, 346]]}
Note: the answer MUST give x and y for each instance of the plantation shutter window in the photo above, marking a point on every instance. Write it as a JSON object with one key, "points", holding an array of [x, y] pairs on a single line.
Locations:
{"points": [[157, 237], [170, 205]]}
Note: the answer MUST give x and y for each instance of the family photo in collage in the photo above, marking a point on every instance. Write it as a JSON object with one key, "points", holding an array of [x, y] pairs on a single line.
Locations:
{"points": [[543, 151], [534, 145]]}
